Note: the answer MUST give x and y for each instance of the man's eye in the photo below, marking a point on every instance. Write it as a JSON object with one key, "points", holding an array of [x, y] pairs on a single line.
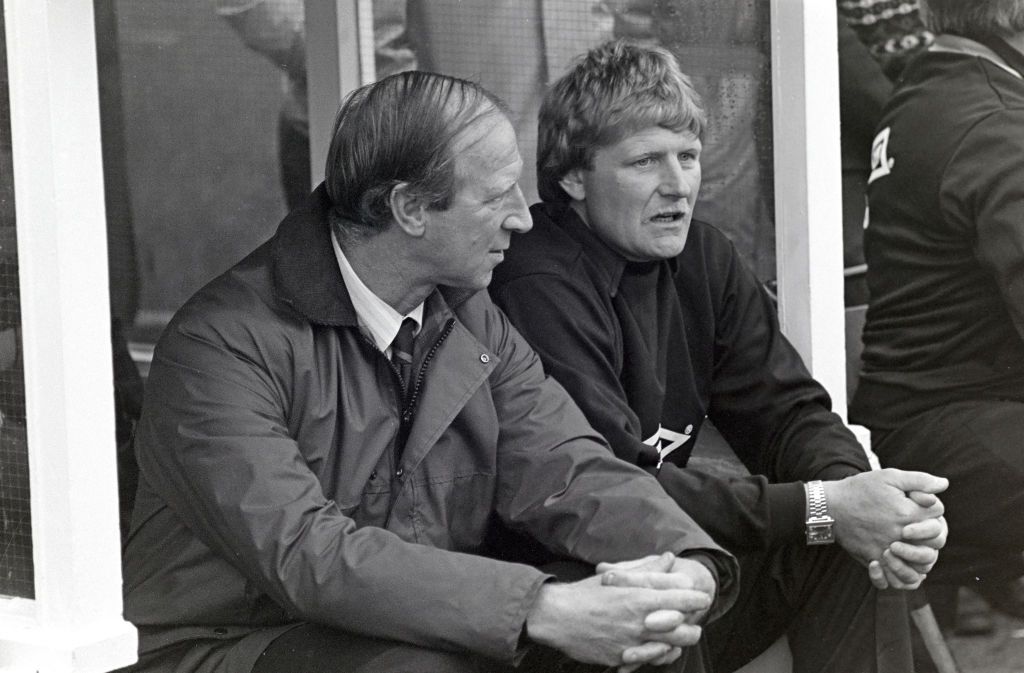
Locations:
{"points": [[688, 156], [501, 198], [643, 162]]}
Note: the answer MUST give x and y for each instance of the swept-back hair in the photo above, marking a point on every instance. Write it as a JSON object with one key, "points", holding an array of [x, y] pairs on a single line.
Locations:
{"points": [[400, 129], [614, 90], [974, 17]]}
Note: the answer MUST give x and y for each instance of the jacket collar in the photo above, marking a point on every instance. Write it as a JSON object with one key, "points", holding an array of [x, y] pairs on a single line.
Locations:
{"points": [[609, 265], [306, 271], [990, 47]]}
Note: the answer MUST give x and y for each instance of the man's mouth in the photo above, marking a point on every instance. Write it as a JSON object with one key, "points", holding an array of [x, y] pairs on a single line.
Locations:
{"points": [[668, 217]]}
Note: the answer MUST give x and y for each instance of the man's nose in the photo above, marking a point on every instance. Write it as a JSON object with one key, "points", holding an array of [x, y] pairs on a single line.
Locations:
{"points": [[518, 219], [675, 179]]}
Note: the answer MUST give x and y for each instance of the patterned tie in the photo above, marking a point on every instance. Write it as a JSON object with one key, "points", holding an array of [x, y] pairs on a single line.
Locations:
{"points": [[402, 350]]}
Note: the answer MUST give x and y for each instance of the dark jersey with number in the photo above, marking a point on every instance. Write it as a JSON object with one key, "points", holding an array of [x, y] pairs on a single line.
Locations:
{"points": [[945, 242]]}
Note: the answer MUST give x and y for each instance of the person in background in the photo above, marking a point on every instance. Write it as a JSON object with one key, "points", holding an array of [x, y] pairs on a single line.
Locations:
{"points": [[876, 41], [331, 428], [516, 49], [942, 381], [653, 323], [892, 31], [276, 30], [877, 38]]}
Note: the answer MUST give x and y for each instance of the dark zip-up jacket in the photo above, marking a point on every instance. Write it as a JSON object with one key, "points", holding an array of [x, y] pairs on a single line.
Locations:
{"points": [[945, 242], [649, 349], [270, 493]]}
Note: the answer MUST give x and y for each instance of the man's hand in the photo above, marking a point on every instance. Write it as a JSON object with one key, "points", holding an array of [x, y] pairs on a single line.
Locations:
{"points": [[906, 563], [891, 521], [666, 571], [595, 621]]}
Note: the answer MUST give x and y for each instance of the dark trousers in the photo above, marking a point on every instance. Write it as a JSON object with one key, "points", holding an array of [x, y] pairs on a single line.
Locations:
{"points": [[819, 596], [310, 648], [822, 599], [979, 447]]}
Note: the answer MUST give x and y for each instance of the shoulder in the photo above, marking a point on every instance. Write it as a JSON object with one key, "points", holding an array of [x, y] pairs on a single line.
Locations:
{"points": [[709, 255], [238, 310], [708, 240], [988, 155], [548, 249], [950, 91], [713, 280]]}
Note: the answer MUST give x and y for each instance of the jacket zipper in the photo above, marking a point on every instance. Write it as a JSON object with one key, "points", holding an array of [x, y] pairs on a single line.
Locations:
{"points": [[407, 408]]}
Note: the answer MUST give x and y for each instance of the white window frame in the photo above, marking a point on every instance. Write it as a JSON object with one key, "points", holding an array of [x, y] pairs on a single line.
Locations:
{"points": [[339, 59], [74, 623], [808, 187]]}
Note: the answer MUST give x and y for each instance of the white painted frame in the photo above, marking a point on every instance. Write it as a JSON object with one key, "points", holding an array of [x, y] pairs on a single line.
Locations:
{"points": [[75, 623], [339, 59], [808, 187]]}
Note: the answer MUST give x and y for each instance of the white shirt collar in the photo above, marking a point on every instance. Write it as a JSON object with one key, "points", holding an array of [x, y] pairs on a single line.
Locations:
{"points": [[376, 317]]}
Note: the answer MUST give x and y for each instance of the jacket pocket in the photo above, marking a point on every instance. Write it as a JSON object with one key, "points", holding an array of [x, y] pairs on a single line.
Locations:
{"points": [[453, 513]]}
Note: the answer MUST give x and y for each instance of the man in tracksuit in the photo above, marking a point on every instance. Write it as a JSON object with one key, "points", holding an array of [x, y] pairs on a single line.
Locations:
{"points": [[652, 323], [942, 386]]}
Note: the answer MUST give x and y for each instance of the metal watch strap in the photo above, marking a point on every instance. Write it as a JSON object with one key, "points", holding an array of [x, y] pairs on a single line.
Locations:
{"points": [[817, 505], [819, 520]]}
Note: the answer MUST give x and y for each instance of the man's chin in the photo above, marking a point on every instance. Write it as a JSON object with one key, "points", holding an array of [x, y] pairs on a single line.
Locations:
{"points": [[674, 246], [478, 283], [668, 249]]}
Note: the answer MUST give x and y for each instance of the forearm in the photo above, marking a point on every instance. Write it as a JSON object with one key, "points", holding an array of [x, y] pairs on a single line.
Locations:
{"points": [[742, 513]]}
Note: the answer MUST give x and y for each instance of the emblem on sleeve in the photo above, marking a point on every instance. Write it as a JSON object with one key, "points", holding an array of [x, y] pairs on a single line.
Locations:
{"points": [[881, 163]]}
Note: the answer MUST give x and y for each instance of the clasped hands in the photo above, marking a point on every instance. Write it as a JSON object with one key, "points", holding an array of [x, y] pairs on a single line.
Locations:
{"points": [[628, 614], [890, 520]]}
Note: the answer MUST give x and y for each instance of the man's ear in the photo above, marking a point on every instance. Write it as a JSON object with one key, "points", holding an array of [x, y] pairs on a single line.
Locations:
{"points": [[572, 183], [408, 209]]}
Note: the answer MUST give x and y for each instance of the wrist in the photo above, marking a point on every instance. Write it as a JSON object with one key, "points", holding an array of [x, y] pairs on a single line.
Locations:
{"points": [[544, 616], [704, 572], [787, 506], [819, 521]]}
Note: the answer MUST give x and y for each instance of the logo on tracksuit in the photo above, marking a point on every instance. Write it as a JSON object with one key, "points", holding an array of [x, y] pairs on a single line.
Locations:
{"points": [[881, 162], [666, 441]]}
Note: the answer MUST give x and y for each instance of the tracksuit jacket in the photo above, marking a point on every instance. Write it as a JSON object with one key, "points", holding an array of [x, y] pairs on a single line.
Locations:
{"points": [[945, 242], [648, 350]]}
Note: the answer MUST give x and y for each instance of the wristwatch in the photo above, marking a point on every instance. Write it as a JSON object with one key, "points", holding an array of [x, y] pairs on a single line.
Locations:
{"points": [[819, 522]]}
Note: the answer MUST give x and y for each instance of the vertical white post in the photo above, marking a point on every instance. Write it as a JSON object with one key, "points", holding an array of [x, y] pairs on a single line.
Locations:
{"points": [[808, 191], [337, 61], [76, 623]]}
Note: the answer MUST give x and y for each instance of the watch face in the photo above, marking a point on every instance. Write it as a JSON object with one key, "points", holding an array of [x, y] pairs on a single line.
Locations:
{"points": [[819, 533]]}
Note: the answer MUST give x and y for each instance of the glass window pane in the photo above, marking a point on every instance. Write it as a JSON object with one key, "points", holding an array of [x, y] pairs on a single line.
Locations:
{"points": [[516, 49], [16, 567]]}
